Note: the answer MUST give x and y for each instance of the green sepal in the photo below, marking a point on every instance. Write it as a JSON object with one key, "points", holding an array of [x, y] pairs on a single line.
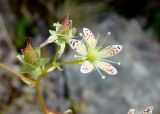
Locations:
{"points": [[53, 33], [38, 51], [42, 61], [56, 24], [27, 68], [37, 71], [20, 58]]}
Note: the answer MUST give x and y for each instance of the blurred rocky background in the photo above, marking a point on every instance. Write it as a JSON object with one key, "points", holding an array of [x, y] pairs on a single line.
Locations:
{"points": [[133, 23]]}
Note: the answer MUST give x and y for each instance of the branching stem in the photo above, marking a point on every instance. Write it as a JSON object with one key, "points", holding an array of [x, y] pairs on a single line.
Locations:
{"points": [[18, 75]]}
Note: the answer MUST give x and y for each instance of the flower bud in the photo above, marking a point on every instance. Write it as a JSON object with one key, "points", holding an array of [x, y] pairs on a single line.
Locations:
{"points": [[30, 55], [66, 26]]}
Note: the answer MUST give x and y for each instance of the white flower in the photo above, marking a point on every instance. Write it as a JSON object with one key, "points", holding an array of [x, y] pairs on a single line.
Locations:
{"points": [[147, 110], [132, 111], [62, 34], [93, 56]]}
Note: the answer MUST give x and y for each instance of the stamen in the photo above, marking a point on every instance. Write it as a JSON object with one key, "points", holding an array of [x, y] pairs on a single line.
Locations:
{"points": [[118, 63], [97, 39], [102, 76], [78, 56], [101, 45]]}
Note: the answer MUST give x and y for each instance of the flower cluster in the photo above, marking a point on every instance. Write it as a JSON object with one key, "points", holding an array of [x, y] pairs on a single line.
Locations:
{"points": [[147, 110], [91, 56]]}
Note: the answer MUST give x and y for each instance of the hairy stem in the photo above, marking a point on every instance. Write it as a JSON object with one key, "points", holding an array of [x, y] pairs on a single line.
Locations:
{"points": [[18, 75], [56, 55], [40, 97], [70, 62]]}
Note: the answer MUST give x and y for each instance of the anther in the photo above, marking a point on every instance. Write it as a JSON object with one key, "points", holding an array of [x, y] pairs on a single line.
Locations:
{"points": [[103, 77]]}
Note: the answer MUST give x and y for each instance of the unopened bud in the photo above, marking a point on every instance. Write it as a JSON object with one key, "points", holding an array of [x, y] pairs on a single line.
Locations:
{"points": [[29, 53]]}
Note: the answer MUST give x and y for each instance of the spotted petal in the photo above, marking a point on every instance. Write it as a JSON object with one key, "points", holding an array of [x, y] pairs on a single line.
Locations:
{"points": [[89, 37], [106, 67], [86, 67], [110, 51], [148, 110], [131, 111], [78, 46], [49, 40]]}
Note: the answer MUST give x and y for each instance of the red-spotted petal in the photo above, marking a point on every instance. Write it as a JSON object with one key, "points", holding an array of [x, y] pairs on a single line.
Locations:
{"points": [[78, 46], [148, 110], [110, 51], [106, 67], [86, 67], [89, 37]]}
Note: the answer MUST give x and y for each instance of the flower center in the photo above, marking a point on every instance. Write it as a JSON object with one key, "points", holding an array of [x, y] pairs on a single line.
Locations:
{"points": [[92, 55]]}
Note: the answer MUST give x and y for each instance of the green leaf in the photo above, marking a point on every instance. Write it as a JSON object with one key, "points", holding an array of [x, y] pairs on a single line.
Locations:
{"points": [[38, 51], [20, 58], [43, 61], [27, 68], [37, 71], [53, 33], [56, 24]]}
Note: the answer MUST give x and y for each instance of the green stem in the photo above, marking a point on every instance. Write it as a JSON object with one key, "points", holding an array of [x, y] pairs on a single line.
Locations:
{"points": [[31, 82], [56, 55], [40, 97], [25, 79], [70, 62]]}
